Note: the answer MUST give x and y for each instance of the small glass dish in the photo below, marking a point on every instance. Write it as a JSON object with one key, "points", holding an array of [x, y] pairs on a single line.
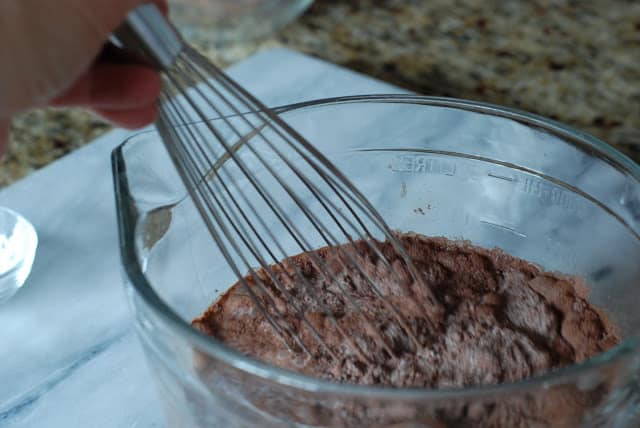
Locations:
{"points": [[222, 21], [463, 170], [18, 243]]}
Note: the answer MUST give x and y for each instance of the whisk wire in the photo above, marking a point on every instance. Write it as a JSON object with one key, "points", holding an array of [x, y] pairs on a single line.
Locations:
{"points": [[197, 194], [328, 238], [290, 228], [324, 201], [251, 245], [274, 124], [340, 185]]}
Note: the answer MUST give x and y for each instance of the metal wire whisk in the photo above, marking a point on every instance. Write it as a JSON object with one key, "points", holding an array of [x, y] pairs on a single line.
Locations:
{"points": [[264, 192]]}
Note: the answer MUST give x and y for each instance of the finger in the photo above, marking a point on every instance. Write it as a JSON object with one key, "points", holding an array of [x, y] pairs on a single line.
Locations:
{"points": [[113, 87], [130, 119]]}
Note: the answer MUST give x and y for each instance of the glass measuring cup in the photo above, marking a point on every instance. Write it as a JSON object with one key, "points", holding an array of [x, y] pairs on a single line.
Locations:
{"points": [[464, 170]]}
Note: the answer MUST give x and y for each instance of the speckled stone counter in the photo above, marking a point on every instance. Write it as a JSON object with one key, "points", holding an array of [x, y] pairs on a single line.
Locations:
{"points": [[574, 61]]}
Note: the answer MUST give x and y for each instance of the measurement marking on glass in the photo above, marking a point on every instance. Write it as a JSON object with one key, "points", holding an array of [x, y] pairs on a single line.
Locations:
{"points": [[423, 165], [501, 177], [548, 194], [503, 227]]}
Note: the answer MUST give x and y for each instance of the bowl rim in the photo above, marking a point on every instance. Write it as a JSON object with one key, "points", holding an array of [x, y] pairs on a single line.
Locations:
{"points": [[126, 226]]}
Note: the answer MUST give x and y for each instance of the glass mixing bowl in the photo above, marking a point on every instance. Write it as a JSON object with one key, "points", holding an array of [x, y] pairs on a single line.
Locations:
{"points": [[464, 170], [222, 21]]}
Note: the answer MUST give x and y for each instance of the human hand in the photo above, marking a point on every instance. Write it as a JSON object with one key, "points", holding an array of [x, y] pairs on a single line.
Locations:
{"points": [[48, 53]]}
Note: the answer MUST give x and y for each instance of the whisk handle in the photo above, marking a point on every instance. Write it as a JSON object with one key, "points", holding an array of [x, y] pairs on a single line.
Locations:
{"points": [[149, 37]]}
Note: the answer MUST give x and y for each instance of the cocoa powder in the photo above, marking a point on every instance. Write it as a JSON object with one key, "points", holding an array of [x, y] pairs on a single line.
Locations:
{"points": [[478, 316]]}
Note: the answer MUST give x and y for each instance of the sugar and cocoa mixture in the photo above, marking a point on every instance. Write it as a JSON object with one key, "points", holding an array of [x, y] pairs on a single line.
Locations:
{"points": [[479, 316], [484, 317]]}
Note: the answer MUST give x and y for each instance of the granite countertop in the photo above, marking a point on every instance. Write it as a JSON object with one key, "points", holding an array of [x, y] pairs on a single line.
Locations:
{"points": [[574, 61]]}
